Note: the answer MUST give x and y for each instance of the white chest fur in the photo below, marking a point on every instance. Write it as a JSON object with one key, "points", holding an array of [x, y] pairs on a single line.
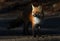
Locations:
{"points": [[36, 20]]}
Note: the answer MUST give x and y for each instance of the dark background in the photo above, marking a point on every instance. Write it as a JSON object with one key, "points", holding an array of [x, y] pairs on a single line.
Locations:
{"points": [[11, 10]]}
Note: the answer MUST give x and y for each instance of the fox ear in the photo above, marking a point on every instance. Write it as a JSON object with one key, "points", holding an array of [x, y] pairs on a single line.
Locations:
{"points": [[32, 6], [39, 6]]}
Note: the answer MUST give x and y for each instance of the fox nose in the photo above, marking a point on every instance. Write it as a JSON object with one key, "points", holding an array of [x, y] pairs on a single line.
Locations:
{"points": [[36, 15]]}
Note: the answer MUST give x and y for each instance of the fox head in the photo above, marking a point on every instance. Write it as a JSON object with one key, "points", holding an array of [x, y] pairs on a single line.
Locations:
{"points": [[36, 9]]}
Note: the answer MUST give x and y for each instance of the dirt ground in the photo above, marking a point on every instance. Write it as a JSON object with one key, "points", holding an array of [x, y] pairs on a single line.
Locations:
{"points": [[29, 38]]}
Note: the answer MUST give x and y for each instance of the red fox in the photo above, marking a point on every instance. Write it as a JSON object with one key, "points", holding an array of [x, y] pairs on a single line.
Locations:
{"points": [[35, 16]]}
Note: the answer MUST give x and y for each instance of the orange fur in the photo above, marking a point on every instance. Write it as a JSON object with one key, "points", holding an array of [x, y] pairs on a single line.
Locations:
{"points": [[35, 11], [31, 20]]}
